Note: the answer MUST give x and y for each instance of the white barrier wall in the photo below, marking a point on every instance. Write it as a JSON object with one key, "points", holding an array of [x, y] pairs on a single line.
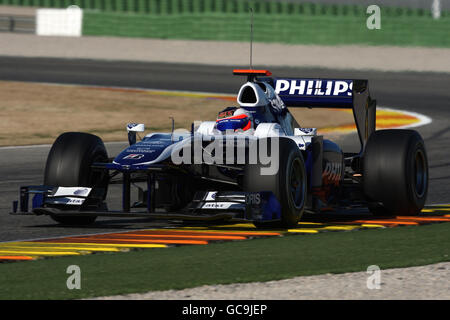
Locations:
{"points": [[59, 22]]}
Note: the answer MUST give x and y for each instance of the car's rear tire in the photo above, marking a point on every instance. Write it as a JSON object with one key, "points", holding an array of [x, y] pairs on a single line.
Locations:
{"points": [[288, 184], [395, 172], [69, 165]]}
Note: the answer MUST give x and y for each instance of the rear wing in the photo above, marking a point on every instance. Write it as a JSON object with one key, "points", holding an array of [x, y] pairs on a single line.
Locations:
{"points": [[331, 93]]}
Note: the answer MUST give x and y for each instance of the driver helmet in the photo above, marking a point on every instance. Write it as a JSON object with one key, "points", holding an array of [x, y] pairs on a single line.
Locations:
{"points": [[234, 119]]}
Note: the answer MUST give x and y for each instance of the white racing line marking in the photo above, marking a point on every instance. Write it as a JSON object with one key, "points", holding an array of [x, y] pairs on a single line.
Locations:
{"points": [[423, 119], [49, 145], [131, 88], [77, 235], [15, 181], [26, 147]]}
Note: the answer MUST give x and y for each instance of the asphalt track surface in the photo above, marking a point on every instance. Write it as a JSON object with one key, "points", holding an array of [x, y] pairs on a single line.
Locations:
{"points": [[426, 93]]}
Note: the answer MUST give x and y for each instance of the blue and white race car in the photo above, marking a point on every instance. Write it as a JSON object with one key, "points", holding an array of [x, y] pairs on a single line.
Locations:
{"points": [[254, 162]]}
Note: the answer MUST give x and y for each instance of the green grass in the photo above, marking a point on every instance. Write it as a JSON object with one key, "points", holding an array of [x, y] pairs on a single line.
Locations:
{"points": [[231, 262], [275, 21], [292, 29]]}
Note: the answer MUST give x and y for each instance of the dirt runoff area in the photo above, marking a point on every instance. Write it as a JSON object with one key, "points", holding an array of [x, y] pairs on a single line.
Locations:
{"points": [[417, 283], [35, 113]]}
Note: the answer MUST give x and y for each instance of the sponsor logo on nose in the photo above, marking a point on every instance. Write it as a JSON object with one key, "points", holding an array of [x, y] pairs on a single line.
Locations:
{"points": [[134, 156]]}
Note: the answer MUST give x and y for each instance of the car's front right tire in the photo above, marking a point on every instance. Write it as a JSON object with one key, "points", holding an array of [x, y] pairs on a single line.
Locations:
{"points": [[69, 165], [288, 183]]}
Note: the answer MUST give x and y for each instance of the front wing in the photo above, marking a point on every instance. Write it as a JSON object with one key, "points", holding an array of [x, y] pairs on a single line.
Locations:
{"points": [[206, 205]]}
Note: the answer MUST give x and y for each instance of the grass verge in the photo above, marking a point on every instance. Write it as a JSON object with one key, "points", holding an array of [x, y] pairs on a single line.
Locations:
{"points": [[303, 22], [320, 29], [223, 263]]}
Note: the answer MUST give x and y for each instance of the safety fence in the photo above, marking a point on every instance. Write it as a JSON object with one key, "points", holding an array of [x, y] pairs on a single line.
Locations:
{"points": [[14, 23]]}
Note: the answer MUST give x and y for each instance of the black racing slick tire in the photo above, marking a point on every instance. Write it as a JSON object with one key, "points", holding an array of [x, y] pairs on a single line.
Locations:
{"points": [[288, 184], [395, 172], [69, 165]]}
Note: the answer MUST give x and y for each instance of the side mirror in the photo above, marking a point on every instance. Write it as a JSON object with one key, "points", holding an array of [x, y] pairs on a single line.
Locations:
{"points": [[132, 128]]}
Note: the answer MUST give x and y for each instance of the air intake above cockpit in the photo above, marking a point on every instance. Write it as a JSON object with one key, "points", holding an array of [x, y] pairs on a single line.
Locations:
{"points": [[252, 95]]}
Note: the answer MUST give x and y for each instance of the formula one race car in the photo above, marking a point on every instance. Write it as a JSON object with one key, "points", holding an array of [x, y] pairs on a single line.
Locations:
{"points": [[254, 162]]}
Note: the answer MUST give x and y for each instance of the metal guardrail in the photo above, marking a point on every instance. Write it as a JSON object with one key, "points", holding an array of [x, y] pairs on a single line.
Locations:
{"points": [[20, 24]]}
